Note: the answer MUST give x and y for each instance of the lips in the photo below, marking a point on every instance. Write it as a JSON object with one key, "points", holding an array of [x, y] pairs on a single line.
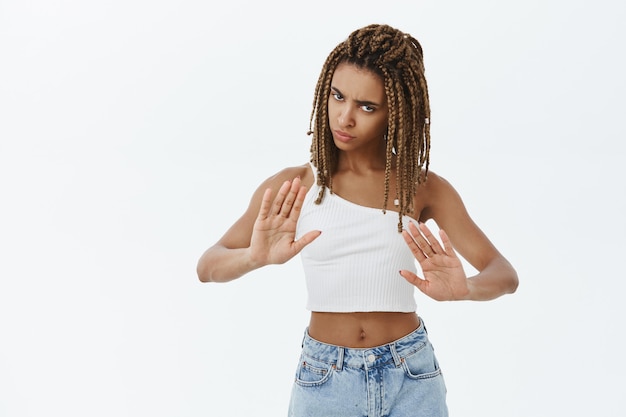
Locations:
{"points": [[342, 136]]}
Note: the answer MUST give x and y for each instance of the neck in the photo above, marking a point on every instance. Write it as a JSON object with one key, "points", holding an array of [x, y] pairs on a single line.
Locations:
{"points": [[361, 162]]}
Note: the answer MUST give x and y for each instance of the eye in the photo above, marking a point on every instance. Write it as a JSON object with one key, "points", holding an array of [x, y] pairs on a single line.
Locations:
{"points": [[337, 96], [367, 109]]}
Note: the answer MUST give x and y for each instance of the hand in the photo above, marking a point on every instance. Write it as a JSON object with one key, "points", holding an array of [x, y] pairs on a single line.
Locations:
{"points": [[444, 278], [273, 235]]}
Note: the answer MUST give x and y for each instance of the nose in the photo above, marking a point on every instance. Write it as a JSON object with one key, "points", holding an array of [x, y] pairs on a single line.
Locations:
{"points": [[346, 118]]}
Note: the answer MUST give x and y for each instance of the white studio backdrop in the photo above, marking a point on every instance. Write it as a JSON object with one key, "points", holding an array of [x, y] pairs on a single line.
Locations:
{"points": [[133, 133]]}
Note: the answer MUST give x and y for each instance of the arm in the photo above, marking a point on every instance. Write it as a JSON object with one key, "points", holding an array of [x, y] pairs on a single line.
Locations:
{"points": [[444, 278], [264, 235]]}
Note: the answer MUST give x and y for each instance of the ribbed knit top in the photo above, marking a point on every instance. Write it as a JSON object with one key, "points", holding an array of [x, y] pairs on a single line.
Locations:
{"points": [[353, 265]]}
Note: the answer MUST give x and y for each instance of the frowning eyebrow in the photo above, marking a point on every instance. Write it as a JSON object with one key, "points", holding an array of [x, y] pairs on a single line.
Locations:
{"points": [[359, 102]]}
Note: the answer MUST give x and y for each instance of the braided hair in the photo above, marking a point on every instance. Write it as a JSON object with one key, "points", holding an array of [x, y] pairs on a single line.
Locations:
{"points": [[397, 58]]}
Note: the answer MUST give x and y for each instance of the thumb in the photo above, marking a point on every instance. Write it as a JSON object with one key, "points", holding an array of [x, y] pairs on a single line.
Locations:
{"points": [[306, 239]]}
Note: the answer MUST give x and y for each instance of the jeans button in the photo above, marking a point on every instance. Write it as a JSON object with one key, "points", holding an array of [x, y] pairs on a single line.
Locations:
{"points": [[371, 358]]}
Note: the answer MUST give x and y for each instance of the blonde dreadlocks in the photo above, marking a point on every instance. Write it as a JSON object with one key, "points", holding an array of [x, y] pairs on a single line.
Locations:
{"points": [[397, 58]]}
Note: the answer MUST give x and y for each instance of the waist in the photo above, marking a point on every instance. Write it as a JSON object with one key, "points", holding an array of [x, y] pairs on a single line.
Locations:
{"points": [[387, 354], [362, 329]]}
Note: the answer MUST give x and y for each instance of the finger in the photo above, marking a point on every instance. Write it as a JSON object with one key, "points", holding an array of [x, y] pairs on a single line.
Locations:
{"points": [[297, 205], [306, 239], [266, 203], [420, 240], [280, 197], [417, 252], [414, 279], [447, 244], [422, 285], [285, 209], [432, 240]]}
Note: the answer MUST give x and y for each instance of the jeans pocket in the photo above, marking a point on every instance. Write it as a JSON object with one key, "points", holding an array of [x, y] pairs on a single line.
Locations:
{"points": [[421, 364], [311, 372]]}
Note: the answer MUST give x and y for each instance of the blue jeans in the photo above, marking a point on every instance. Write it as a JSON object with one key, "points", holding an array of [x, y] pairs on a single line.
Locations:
{"points": [[398, 379]]}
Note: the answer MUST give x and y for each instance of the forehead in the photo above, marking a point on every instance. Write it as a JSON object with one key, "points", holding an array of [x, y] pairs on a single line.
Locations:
{"points": [[358, 83]]}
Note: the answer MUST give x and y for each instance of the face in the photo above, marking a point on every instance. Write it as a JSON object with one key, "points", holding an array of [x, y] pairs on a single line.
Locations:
{"points": [[357, 109]]}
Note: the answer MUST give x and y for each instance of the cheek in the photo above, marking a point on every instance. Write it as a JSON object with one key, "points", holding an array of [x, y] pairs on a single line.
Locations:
{"points": [[381, 126], [332, 110]]}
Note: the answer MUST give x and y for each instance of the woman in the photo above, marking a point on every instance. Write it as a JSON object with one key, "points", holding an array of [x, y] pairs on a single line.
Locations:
{"points": [[366, 351]]}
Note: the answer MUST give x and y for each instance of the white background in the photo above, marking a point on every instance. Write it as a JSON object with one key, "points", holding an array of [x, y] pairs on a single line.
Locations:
{"points": [[133, 132]]}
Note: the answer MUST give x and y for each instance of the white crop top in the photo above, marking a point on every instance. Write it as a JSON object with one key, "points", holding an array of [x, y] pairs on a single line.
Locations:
{"points": [[354, 264]]}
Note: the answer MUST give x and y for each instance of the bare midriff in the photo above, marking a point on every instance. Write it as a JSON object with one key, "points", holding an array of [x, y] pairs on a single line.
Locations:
{"points": [[361, 330]]}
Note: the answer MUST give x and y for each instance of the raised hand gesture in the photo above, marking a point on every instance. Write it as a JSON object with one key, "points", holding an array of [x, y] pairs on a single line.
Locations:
{"points": [[273, 239], [444, 278]]}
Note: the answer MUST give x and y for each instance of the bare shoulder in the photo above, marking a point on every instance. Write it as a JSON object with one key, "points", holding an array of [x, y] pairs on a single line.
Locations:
{"points": [[276, 180], [438, 197], [287, 174], [435, 182]]}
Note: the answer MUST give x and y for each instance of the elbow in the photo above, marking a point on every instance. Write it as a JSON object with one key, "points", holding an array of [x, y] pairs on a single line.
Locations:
{"points": [[508, 279], [209, 271], [513, 281], [203, 271], [513, 285]]}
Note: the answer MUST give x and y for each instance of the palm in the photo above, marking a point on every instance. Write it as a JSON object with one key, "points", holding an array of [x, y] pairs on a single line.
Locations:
{"points": [[273, 238], [273, 235], [444, 278]]}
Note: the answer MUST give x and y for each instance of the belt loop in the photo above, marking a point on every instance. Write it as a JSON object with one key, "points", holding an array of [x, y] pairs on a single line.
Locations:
{"points": [[394, 353], [340, 358]]}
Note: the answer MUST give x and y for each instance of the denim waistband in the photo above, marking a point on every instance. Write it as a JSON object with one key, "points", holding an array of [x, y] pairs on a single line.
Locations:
{"points": [[387, 355]]}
